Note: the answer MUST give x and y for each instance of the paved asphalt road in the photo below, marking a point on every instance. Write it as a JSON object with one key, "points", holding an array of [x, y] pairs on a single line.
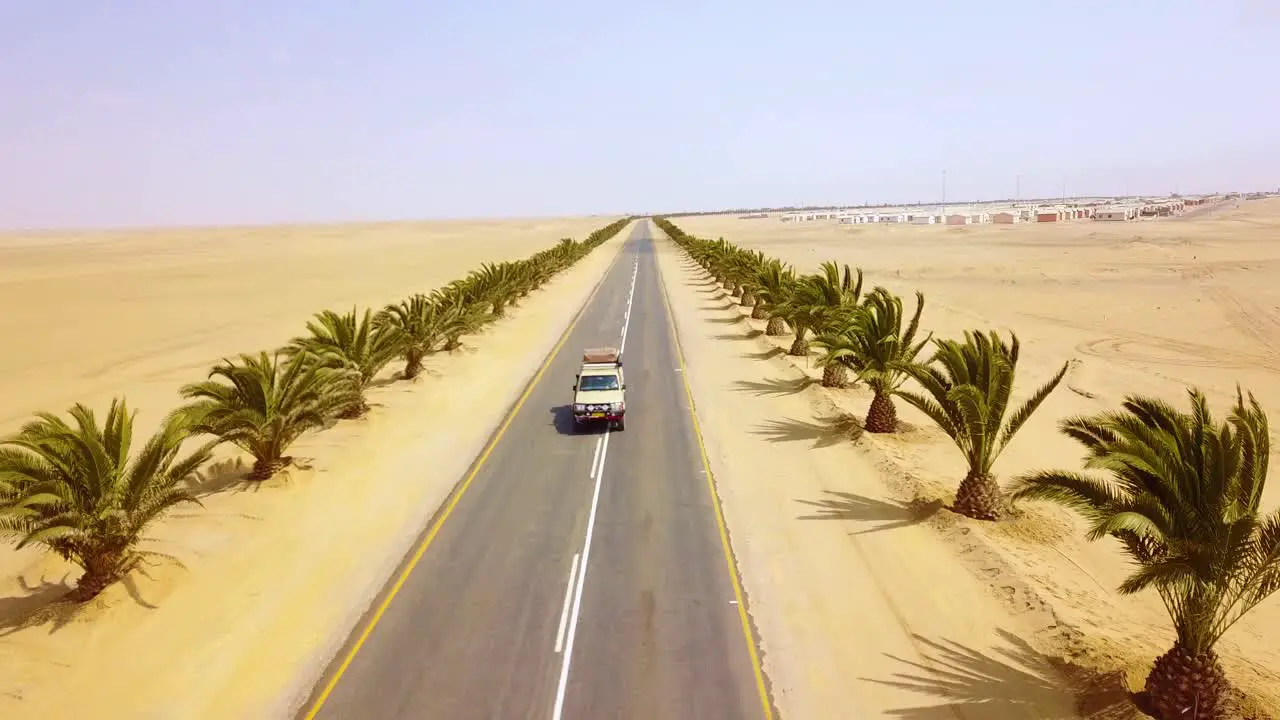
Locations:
{"points": [[581, 575]]}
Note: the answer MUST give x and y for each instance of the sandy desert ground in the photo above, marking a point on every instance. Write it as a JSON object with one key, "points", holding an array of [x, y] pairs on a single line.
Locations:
{"points": [[90, 316], [1147, 307]]}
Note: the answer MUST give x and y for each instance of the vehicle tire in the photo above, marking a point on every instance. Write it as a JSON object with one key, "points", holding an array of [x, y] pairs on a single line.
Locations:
{"points": [[621, 424]]}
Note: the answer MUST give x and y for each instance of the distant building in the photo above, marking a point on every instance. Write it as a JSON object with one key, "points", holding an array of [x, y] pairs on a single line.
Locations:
{"points": [[1045, 216], [1114, 214], [1006, 218]]}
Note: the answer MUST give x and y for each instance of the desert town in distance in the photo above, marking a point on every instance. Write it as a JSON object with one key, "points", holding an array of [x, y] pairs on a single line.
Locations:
{"points": [[1009, 213]]}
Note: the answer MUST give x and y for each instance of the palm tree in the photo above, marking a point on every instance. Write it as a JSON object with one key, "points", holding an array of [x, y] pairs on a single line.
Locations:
{"points": [[878, 346], [348, 342], [746, 271], [76, 491], [721, 255], [1182, 495], [819, 302], [775, 285], [466, 292], [800, 309], [462, 315], [967, 386], [544, 265], [600, 236], [498, 284], [839, 369], [417, 326], [264, 403]]}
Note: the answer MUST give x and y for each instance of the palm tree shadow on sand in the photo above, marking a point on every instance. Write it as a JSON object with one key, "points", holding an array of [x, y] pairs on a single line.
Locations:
{"points": [[889, 514], [827, 431], [1015, 682], [774, 387], [43, 603]]}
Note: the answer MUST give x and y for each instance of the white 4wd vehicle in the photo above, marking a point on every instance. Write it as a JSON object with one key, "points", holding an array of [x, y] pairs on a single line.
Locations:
{"points": [[599, 390]]}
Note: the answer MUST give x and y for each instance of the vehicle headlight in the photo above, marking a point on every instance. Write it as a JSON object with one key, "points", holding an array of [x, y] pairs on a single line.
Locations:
{"points": [[615, 407], [579, 408]]}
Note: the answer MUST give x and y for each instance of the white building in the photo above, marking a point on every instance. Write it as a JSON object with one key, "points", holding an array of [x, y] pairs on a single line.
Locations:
{"points": [[1115, 214]]}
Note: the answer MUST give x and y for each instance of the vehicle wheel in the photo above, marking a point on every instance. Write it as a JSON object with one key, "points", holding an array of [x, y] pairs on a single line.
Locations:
{"points": [[621, 424]]}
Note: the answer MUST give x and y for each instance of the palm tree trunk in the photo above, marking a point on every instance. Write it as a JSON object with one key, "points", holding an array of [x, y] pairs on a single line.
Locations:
{"points": [[979, 497], [882, 417], [835, 375], [357, 409], [1187, 685], [412, 363], [800, 346], [100, 570], [760, 311], [264, 468], [748, 299]]}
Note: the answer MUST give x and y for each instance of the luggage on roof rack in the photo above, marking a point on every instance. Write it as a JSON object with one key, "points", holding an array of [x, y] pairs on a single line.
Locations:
{"points": [[602, 355]]}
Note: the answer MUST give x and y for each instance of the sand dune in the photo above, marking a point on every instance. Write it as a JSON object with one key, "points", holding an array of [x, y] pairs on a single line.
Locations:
{"points": [[1135, 308], [95, 314], [273, 574]]}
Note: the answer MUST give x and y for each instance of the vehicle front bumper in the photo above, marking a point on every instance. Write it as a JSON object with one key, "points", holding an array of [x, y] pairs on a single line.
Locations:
{"points": [[598, 416]]}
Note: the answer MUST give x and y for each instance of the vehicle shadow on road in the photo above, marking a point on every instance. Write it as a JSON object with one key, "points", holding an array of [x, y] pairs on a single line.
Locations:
{"points": [[889, 514], [1015, 681], [827, 431], [562, 418]]}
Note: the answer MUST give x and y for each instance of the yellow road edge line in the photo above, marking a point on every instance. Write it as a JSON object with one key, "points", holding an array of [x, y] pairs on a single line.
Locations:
{"points": [[456, 497], [756, 667]]}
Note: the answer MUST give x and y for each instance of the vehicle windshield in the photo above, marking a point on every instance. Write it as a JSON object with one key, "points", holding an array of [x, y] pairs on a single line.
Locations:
{"points": [[599, 382]]}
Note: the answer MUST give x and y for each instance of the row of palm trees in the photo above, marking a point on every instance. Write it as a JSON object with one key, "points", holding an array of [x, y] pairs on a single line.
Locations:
{"points": [[78, 489], [1181, 491]]}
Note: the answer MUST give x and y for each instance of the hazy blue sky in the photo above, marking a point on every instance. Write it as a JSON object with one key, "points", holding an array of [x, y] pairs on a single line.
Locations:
{"points": [[224, 111]]}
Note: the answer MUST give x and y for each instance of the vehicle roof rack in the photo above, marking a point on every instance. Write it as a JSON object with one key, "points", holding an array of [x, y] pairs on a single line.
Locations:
{"points": [[602, 355]]}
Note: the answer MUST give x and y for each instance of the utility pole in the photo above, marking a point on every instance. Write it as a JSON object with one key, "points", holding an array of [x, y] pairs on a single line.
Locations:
{"points": [[1017, 190], [944, 187]]}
